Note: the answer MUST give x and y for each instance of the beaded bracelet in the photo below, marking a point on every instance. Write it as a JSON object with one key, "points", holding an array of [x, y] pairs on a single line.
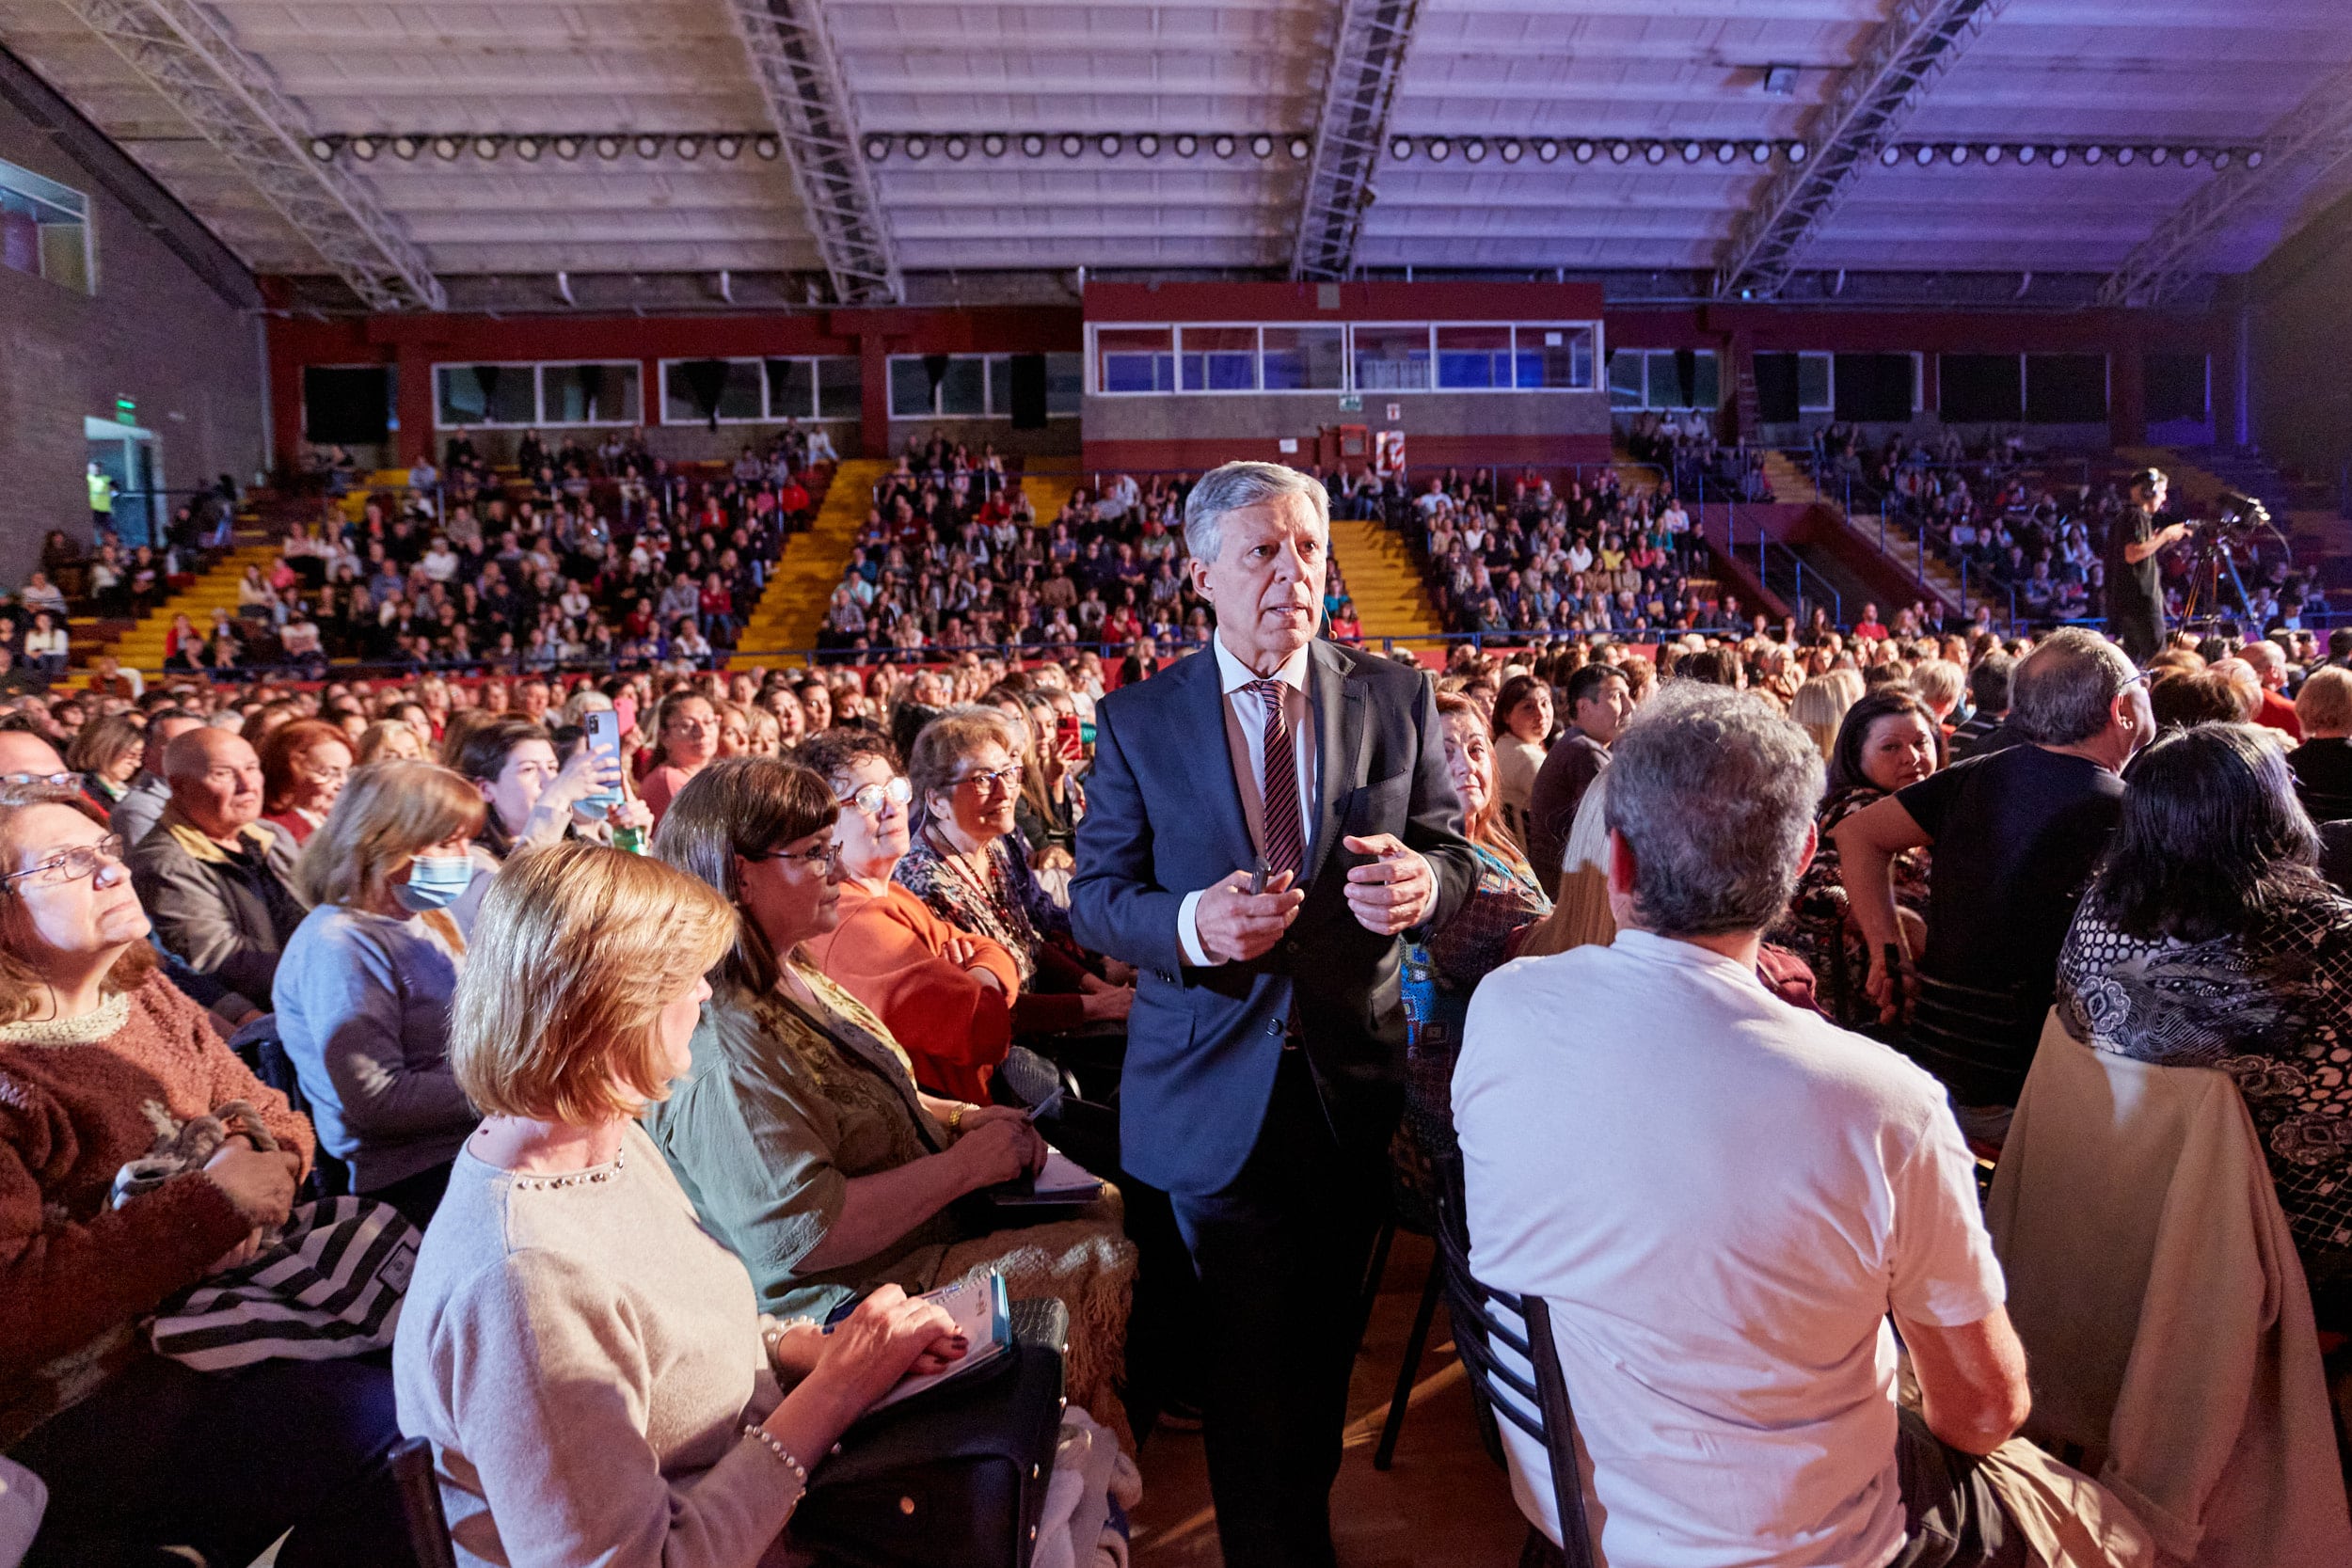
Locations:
{"points": [[784, 1455]]}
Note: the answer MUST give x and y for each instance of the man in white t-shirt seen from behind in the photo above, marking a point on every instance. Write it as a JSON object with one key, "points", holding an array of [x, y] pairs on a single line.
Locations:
{"points": [[1724, 1198]]}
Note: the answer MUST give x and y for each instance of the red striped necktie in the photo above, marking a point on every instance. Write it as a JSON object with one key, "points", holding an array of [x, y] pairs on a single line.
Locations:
{"points": [[1285, 840]]}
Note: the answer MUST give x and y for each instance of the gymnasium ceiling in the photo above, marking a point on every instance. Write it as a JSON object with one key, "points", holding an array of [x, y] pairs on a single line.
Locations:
{"points": [[1611, 138]]}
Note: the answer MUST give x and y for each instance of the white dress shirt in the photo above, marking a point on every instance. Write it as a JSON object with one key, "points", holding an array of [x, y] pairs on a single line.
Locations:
{"points": [[1245, 740]]}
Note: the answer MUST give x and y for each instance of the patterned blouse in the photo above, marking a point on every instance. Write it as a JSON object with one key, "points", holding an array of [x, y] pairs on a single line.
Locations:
{"points": [[1816, 925], [999, 906], [2273, 1010]]}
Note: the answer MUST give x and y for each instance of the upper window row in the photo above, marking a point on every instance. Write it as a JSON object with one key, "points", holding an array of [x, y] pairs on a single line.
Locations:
{"points": [[694, 392], [983, 385], [1417, 356], [759, 391], [1664, 378], [45, 230]]}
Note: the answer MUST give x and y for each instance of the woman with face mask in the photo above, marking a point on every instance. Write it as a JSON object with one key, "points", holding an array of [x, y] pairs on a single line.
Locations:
{"points": [[363, 989]]}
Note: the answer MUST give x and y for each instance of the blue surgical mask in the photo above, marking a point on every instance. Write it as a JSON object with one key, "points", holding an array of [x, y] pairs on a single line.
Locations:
{"points": [[433, 882]]}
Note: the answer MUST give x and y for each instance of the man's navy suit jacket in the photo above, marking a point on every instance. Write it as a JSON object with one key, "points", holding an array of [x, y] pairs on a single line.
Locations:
{"points": [[1164, 818]]}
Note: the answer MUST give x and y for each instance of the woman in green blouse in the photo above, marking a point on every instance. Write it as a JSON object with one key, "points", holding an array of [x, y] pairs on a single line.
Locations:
{"points": [[799, 1133]]}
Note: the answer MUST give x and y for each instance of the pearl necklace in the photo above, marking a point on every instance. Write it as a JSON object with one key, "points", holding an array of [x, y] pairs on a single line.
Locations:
{"points": [[576, 1179]]}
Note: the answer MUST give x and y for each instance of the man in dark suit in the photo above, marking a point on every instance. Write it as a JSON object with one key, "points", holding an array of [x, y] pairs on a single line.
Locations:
{"points": [[1263, 820]]}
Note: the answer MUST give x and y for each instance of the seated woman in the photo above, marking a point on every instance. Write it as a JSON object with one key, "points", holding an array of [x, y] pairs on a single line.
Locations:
{"points": [[304, 766], [1441, 972], [799, 1130], [1523, 735], [2207, 939], [946, 997], [530, 798], [99, 1055], [588, 1363], [362, 991], [962, 863], [107, 752], [1886, 740]]}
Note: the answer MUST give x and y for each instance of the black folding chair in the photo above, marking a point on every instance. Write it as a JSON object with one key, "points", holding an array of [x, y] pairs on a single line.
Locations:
{"points": [[410, 1469], [1540, 1407]]}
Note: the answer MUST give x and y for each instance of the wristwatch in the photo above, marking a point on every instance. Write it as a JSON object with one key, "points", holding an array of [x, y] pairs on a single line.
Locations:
{"points": [[955, 1118]]}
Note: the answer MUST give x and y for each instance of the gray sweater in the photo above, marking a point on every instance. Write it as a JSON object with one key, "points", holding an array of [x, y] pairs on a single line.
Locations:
{"points": [[362, 1004], [583, 1359]]}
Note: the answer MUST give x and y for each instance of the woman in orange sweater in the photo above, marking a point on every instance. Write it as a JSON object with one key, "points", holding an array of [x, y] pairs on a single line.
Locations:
{"points": [[947, 995]]}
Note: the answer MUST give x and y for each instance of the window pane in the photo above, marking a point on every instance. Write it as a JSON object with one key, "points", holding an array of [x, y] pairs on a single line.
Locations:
{"points": [[910, 390], [963, 391], [1219, 358], [1474, 356], [487, 394], [1065, 383], [1625, 380], [43, 229], [1709, 386], [1135, 359], [791, 388], [839, 387], [2066, 389], [1392, 358], [1304, 358], [688, 385], [1813, 383], [588, 395], [1555, 357], [1000, 384]]}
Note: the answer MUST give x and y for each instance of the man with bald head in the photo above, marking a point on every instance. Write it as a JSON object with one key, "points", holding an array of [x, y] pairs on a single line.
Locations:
{"points": [[2269, 663], [215, 878]]}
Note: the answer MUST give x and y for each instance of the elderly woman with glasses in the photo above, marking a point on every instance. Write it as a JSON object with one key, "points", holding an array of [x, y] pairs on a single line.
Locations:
{"points": [[962, 863], [947, 996], [799, 1130], [100, 1057]]}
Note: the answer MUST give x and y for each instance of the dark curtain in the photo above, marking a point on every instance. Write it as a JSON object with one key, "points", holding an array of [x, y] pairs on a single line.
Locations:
{"points": [[1979, 388], [1686, 378], [1873, 388], [706, 384], [591, 391], [1029, 391], [1776, 389], [935, 367]]}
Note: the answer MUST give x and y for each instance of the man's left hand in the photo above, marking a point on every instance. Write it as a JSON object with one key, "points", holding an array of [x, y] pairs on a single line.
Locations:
{"points": [[1393, 893]]}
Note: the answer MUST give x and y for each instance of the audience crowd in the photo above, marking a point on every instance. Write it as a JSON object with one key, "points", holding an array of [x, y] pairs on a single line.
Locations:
{"points": [[698, 1059]]}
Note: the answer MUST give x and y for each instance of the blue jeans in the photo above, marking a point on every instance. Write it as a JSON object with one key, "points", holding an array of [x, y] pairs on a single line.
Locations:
{"points": [[166, 1456]]}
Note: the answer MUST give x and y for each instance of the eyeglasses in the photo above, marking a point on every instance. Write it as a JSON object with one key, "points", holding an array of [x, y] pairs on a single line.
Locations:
{"points": [[870, 799], [819, 859], [61, 780], [73, 864], [1003, 778]]}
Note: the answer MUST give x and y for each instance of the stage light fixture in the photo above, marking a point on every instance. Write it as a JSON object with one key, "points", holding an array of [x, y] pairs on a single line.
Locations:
{"points": [[1399, 147], [1760, 152], [1073, 144], [1108, 146], [1033, 146], [1582, 153], [1224, 147], [2058, 157], [917, 147], [1439, 149], [1890, 155], [1780, 80], [1187, 145], [2159, 156], [1991, 153], [1147, 145], [1262, 146], [1692, 152], [957, 147], [648, 147], [527, 148], [323, 149], [1959, 154], [1547, 151], [404, 147], [1511, 151], [2026, 153], [769, 147], [1475, 150], [2093, 153], [2124, 155], [1726, 152], [2190, 157], [993, 145], [363, 149], [1301, 150], [728, 148], [446, 148], [1797, 152], [877, 149], [1620, 152], [1923, 155], [2221, 159], [1655, 152], [2253, 157], [687, 148]]}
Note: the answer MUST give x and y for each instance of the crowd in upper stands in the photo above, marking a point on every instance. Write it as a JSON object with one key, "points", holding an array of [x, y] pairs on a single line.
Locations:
{"points": [[797, 1036]]}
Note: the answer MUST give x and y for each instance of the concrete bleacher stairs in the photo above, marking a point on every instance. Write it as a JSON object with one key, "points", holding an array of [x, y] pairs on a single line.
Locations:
{"points": [[141, 648], [791, 610], [1048, 494], [1384, 581], [1790, 483]]}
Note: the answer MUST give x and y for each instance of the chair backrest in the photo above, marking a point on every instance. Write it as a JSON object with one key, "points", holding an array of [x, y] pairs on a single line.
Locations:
{"points": [[1538, 1407], [410, 1466], [262, 1050]]}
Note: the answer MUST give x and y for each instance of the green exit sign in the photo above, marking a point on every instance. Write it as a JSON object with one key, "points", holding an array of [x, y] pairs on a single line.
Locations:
{"points": [[126, 411]]}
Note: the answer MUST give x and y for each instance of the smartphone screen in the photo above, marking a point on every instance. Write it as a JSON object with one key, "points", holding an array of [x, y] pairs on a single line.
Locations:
{"points": [[604, 739]]}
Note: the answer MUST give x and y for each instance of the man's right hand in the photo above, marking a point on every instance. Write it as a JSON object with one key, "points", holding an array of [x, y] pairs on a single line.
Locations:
{"points": [[1236, 925], [261, 1185]]}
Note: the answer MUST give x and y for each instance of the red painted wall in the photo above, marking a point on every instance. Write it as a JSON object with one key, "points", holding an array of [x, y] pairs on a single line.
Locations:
{"points": [[416, 342]]}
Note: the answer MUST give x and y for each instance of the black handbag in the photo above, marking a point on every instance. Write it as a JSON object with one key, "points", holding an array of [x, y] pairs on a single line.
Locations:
{"points": [[955, 1475]]}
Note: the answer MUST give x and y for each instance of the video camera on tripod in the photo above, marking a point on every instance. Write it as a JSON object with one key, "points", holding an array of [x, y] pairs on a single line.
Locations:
{"points": [[2239, 525]]}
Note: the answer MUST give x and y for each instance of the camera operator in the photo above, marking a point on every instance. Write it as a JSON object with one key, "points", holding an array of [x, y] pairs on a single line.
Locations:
{"points": [[2134, 593]]}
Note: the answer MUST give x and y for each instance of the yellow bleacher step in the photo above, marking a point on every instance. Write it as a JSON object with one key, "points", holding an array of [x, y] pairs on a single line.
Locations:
{"points": [[142, 648], [792, 608]]}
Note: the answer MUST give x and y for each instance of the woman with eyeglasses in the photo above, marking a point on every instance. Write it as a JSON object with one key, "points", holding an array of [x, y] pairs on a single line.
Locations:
{"points": [[964, 865], [946, 995], [99, 1055], [304, 767], [800, 1133]]}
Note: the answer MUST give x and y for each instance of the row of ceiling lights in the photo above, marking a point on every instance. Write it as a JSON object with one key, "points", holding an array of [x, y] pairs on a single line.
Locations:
{"points": [[727, 145], [1548, 150], [1925, 154], [958, 146]]}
